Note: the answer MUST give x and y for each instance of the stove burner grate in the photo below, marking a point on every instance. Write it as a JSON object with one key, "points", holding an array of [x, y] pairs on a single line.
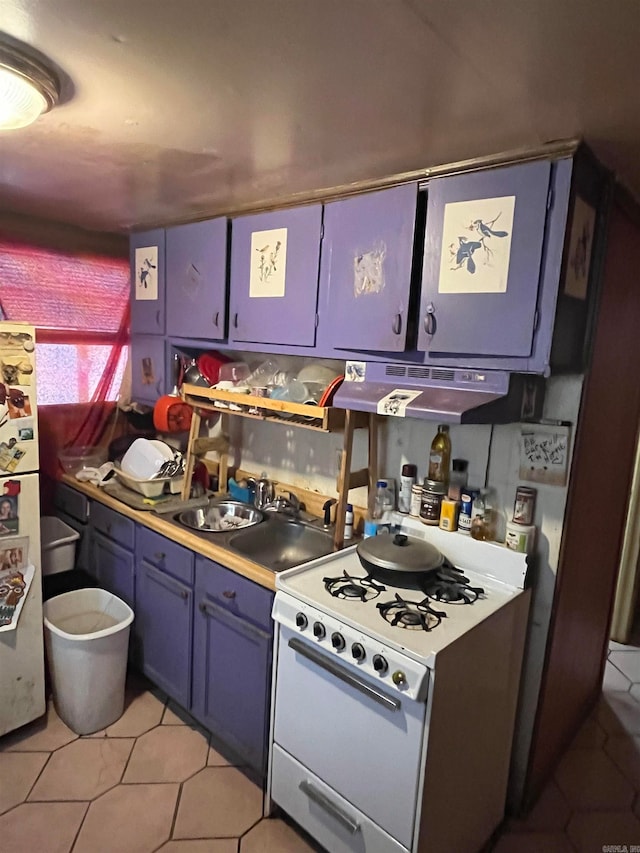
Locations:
{"points": [[450, 586], [412, 615], [354, 588]]}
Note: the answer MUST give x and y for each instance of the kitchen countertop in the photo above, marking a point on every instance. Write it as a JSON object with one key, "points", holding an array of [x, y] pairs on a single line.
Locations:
{"points": [[229, 559]]}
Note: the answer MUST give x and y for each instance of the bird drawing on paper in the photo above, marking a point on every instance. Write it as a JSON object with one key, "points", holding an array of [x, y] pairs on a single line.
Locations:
{"points": [[462, 254], [145, 271], [485, 232]]}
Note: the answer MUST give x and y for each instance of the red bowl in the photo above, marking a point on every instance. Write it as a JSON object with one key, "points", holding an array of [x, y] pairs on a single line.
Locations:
{"points": [[209, 364]]}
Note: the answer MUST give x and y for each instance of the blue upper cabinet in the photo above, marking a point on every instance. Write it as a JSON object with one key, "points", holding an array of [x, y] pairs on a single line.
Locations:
{"points": [[146, 255], [148, 374], [196, 257], [274, 277], [366, 266], [483, 260]]}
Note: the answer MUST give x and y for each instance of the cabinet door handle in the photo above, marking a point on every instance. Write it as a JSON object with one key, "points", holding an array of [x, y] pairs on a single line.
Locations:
{"points": [[108, 527], [235, 320], [159, 386], [430, 324], [215, 319], [329, 806], [229, 593], [158, 318], [167, 583], [396, 326], [159, 555], [208, 608]]}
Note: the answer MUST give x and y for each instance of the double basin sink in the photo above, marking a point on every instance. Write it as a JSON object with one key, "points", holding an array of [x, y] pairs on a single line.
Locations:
{"points": [[273, 540]]}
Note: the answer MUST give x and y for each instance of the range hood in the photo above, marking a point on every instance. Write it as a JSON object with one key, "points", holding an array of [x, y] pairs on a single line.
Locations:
{"points": [[456, 396]]}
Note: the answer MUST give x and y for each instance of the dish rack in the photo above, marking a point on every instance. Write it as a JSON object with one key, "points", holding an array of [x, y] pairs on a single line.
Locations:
{"points": [[324, 419]]}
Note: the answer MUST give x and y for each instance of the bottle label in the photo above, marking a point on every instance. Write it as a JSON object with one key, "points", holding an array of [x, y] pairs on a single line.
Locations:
{"points": [[435, 466], [464, 522]]}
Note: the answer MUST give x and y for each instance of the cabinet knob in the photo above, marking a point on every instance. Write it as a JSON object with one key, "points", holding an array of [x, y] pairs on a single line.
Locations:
{"points": [[184, 594], [202, 607], [396, 326], [229, 593], [430, 324], [159, 555]]}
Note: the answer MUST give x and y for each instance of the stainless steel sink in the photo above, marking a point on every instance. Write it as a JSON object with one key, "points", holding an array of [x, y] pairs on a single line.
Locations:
{"points": [[280, 544]]}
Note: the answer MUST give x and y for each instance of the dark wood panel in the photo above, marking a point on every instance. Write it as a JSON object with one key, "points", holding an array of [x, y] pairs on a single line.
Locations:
{"points": [[594, 522]]}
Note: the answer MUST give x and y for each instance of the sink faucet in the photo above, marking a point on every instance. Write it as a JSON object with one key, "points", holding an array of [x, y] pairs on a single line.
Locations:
{"points": [[265, 492], [288, 506], [326, 506]]}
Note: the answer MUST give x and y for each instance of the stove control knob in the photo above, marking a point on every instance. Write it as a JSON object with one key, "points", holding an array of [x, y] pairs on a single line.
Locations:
{"points": [[319, 630], [301, 621], [380, 664], [337, 641], [399, 678], [358, 652]]}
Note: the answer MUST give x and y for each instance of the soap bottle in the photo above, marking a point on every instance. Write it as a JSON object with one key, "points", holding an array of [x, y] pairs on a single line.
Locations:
{"points": [[440, 455]]}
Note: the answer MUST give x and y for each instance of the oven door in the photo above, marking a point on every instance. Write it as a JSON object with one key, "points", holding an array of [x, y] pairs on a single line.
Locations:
{"points": [[359, 737]]}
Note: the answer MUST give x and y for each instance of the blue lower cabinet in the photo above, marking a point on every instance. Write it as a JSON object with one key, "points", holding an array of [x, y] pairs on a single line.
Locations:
{"points": [[113, 567], [164, 613], [233, 639]]}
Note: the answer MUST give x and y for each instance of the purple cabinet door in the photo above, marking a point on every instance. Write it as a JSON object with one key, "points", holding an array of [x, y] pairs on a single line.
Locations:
{"points": [[196, 256], [232, 643], [147, 368], [146, 257], [274, 277], [365, 268], [164, 625], [113, 567], [482, 261]]}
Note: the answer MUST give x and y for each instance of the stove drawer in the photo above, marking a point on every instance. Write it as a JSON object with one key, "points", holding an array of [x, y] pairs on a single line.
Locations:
{"points": [[325, 815]]}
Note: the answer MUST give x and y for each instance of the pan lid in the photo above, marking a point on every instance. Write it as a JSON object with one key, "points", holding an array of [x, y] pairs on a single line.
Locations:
{"points": [[399, 553]]}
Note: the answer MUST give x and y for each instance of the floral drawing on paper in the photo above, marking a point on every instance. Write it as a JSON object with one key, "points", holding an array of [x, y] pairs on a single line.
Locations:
{"points": [[268, 262], [146, 265], [476, 246]]}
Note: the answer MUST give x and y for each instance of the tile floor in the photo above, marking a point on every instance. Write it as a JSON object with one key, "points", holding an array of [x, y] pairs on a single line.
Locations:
{"points": [[153, 781]]}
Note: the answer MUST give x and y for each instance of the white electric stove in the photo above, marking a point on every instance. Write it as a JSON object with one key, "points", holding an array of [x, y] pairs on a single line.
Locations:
{"points": [[389, 704]]}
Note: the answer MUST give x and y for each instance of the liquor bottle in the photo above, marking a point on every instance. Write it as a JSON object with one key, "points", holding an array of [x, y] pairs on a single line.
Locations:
{"points": [[440, 455]]}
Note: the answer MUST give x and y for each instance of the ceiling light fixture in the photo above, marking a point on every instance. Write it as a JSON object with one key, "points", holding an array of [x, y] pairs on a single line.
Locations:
{"points": [[27, 88]]}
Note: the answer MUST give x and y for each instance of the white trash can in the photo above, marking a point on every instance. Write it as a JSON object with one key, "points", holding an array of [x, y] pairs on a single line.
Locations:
{"points": [[87, 641]]}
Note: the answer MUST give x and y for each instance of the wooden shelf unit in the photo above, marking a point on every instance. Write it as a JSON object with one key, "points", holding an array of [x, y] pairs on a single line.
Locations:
{"points": [[318, 419]]}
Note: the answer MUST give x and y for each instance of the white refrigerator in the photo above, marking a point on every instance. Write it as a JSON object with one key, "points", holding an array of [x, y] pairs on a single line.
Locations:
{"points": [[21, 640]]}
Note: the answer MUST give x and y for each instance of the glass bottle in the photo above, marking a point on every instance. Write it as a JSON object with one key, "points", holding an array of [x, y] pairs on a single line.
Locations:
{"points": [[440, 455], [483, 525]]}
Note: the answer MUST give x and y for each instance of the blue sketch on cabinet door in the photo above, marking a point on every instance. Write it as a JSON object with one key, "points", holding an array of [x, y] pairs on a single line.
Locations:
{"points": [[145, 271], [462, 255]]}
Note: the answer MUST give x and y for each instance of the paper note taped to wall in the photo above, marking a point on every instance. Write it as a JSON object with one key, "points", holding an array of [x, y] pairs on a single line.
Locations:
{"points": [[396, 402], [544, 454]]}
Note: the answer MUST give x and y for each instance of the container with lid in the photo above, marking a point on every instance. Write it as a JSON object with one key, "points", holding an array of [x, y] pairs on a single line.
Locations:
{"points": [[524, 505], [398, 558], [449, 514], [520, 537], [432, 493]]}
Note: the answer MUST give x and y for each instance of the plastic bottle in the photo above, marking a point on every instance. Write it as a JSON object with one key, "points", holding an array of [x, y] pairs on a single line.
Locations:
{"points": [[348, 522], [458, 478], [379, 515], [440, 455], [407, 481]]}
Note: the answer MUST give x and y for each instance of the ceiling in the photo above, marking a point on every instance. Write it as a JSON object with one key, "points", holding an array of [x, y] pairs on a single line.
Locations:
{"points": [[176, 110]]}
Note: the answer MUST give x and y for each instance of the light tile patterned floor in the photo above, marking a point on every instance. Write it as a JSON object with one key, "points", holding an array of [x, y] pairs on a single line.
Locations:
{"points": [[593, 800], [152, 781]]}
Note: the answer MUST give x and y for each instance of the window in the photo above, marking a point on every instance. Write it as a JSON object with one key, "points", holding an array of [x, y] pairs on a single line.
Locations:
{"points": [[79, 306]]}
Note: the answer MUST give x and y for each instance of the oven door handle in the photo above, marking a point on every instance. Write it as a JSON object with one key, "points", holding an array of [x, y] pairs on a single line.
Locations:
{"points": [[330, 807], [334, 668]]}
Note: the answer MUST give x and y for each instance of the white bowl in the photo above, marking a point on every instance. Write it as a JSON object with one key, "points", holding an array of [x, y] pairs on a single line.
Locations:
{"points": [[145, 457], [320, 373]]}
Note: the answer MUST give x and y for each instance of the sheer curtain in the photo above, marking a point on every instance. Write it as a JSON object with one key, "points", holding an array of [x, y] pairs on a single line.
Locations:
{"points": [[78, 300]]}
